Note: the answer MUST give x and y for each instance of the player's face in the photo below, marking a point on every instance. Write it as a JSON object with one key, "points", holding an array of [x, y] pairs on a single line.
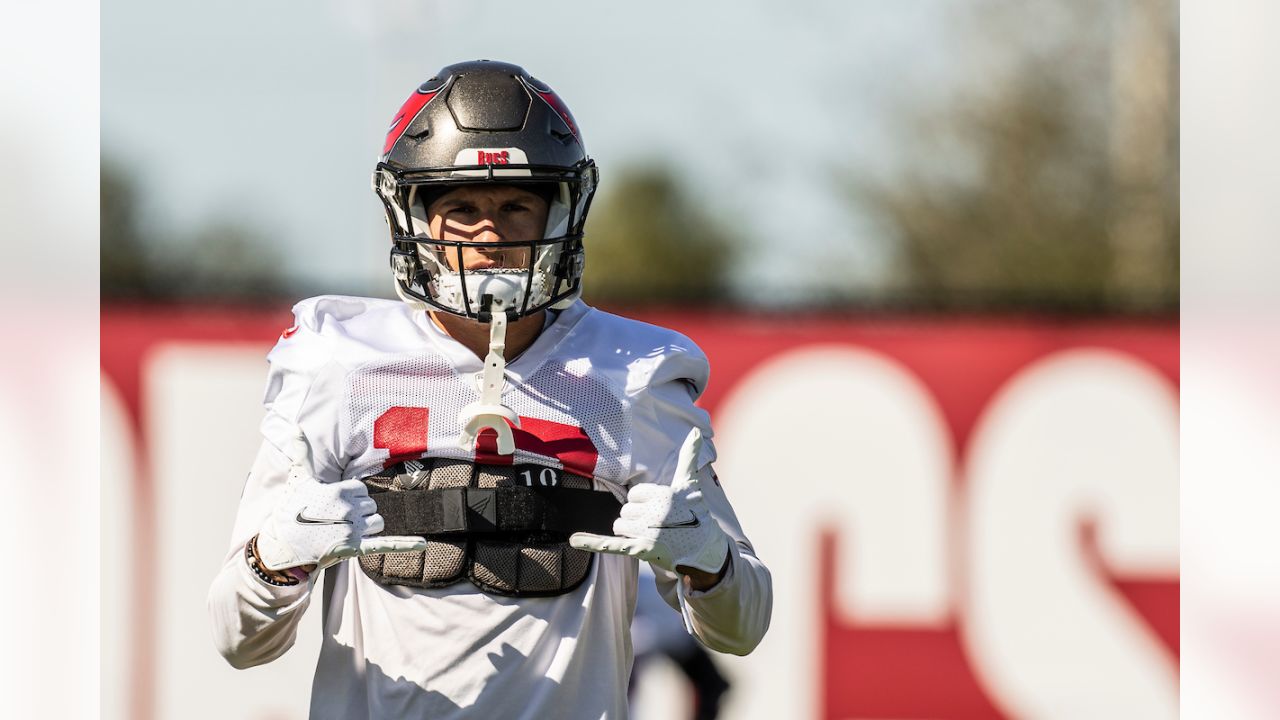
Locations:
{"points": [[488, 213]]}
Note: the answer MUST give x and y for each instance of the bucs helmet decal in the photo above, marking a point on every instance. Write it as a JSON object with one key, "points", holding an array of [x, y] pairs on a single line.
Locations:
{"points": [[552, 99], [407, 113]]}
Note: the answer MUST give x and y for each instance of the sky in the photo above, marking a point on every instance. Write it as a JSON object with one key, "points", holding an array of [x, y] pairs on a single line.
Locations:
{"points": [[271, 114]]}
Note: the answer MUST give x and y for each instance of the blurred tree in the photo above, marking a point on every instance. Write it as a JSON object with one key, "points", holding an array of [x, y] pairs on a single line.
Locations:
{"points": [[125, 270], [220, 261], [647, 243], [1053, 185], [225, 260]]}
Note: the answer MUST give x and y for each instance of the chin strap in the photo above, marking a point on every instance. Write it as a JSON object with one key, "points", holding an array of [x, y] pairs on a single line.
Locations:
{"points": [[490, 412]]}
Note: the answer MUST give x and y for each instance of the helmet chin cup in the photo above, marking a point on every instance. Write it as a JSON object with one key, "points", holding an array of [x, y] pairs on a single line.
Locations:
{"points": [[475, 292]]}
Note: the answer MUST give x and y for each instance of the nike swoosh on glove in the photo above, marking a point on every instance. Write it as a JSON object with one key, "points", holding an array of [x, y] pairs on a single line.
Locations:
{"points": [[667, 526], [322, 524]]}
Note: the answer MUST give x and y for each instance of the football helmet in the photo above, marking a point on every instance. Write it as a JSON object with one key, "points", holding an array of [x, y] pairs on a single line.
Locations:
{"points": [[485, 122]]}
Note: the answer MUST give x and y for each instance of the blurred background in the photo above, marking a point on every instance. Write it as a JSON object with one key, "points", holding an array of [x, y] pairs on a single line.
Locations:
{"points": [[936, 241], [987, 155]]}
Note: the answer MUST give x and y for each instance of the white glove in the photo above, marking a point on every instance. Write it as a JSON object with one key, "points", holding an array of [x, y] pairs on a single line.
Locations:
{"points": [[321, 524], [667, 526]]}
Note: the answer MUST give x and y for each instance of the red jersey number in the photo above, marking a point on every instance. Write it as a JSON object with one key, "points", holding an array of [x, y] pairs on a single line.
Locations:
{"points": [[402, 431]]}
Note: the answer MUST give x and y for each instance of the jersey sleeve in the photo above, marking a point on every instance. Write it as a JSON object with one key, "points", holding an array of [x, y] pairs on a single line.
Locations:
{"points": [[732, 616], [664, 389], [304, 388], [255, 622]]}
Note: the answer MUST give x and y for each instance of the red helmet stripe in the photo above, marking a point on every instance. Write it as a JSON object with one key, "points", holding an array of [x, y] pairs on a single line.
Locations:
{"points": [[558, 105], [407, 113]]}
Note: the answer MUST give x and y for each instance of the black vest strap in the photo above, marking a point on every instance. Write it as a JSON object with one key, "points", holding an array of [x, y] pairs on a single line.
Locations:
{"points": [[498, 510], [489, 525]]}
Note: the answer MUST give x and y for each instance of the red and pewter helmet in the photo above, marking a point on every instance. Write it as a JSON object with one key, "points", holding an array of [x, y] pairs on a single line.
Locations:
{"points": [[485, 122]]}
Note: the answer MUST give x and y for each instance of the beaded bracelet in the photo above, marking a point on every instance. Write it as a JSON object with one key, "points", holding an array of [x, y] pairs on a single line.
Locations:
{"points": [[263, 574]]}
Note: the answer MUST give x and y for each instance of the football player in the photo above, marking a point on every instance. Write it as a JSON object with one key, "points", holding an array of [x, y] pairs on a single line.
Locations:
{"points": [[478, 465]]}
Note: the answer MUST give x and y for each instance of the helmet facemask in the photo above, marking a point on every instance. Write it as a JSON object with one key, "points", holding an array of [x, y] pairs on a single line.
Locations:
{"points": [[531, 276]]}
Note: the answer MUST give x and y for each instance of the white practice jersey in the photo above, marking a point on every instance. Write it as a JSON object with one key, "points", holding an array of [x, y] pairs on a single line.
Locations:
{"points": [[372, 382]]}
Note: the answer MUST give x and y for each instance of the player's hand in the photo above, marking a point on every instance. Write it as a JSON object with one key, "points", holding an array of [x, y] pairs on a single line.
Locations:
{"points": [[667, 526], [323, 523]]}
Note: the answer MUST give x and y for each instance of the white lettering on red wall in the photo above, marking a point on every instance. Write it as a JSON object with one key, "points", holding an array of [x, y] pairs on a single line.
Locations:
{"points": [[964, 519]]}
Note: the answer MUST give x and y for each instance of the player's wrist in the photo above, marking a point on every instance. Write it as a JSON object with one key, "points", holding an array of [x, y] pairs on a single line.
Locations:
{"points": [[703, 581], [281, 578]]}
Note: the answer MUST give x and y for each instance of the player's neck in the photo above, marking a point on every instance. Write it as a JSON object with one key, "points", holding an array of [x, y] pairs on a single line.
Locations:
{"points": [[474, 335]]}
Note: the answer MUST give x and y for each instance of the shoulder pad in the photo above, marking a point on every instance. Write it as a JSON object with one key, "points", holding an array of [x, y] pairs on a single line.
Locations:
{"points": [[302, 347], [345, 327], [653, 355]]}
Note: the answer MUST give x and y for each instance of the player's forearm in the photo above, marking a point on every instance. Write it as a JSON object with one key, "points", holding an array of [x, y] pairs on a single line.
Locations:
{"points": [[732, 617], [253, 622]]}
